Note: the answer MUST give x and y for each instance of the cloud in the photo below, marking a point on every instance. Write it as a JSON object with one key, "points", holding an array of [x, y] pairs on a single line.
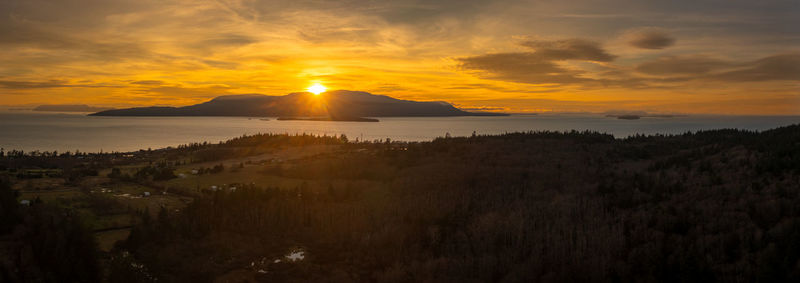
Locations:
{"points": [[542, 66], [570, 49], [493, 87], [573, 62], [520, 67], [227, 40], [206, 91], [7, 84], [776, 67], [699, 67], [649, 38], [220, 64], [29, 38], [148, 82], [14, 34], [49, 48], [682, 65], [29, 85]]}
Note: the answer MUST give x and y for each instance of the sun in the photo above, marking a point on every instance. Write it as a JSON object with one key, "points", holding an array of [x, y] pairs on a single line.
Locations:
{"points": [[316, 89]]}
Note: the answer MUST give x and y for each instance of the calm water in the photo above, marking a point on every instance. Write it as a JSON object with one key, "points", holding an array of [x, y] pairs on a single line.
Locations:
{"points": [[62, 132]]}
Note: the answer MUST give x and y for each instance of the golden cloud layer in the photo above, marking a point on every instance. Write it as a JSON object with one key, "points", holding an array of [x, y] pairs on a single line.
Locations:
{"points": [[512, 55]]}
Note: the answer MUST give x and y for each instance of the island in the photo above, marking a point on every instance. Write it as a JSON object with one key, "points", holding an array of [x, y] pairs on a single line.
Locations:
{"points": [[338, 103], [629, 117], [639, 115]]}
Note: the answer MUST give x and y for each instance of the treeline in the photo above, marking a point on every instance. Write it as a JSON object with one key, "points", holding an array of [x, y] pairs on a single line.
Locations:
{"points": [[42, 243], [254, 145], [524, 207], [245, 145]]}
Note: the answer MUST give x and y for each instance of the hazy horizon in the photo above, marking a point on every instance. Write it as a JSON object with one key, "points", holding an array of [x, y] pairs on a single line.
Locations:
{"points": [[33, 106]]}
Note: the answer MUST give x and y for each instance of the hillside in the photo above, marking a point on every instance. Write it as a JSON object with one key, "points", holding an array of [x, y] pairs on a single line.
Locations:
{"points": [[339, 104], [720, 205]]}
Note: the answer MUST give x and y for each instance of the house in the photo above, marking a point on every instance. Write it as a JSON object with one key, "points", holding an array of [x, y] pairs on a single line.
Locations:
{"points": [[147, 194], [25, 202]]}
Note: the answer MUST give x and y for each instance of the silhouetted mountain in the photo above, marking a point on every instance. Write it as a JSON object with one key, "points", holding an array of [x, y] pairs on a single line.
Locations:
{"points": [[335, 104]]}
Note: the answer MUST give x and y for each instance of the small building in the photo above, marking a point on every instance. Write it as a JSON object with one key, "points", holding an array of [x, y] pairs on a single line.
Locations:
{"points": [[147, 194], [25, 202]]}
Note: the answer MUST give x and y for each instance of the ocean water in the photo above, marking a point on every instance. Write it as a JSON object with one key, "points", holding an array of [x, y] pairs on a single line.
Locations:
{"points": [[69, 132]]}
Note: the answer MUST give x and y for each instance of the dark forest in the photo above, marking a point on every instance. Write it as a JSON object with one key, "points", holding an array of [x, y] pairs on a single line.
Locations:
{"points": [[721, 205]]}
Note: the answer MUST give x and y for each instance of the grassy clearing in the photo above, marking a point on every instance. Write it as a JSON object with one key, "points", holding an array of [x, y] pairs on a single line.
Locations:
{"points": [[107, 239], [65, 196]]}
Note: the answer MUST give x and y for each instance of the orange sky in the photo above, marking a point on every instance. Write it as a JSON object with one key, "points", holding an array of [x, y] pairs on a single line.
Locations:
{"points": [[724, 57]]}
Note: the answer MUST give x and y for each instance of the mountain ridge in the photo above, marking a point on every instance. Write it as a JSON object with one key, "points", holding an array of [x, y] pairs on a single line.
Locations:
{"points": [[334, 104]]}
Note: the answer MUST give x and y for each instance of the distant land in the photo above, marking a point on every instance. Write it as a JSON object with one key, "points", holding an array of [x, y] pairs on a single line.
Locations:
{"points": [[339, 105], [70, 108], [636, 115]]}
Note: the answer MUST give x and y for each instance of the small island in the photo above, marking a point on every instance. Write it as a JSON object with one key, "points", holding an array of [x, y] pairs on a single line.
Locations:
{"points": [[629, 117], [637, 116]]}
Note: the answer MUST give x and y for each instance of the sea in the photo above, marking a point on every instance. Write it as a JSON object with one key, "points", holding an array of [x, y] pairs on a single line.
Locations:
{"points": [[29, 130]]}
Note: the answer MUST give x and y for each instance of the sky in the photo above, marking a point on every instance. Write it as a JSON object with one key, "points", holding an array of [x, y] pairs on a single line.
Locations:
{"points": [[696, 56]]}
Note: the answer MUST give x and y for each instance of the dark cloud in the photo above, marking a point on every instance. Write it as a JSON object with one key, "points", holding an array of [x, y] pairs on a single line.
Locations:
{"points": [[540, 66], [650, 38], [682, 65], [520, 67], [699, 67], [147, 82], [777, 67], [29, 85], [546, 64], [570, 49], [45, 84], [14, 33]]}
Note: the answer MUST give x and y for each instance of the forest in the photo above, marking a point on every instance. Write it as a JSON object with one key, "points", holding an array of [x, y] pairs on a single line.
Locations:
{"points": [[719, 205]]}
